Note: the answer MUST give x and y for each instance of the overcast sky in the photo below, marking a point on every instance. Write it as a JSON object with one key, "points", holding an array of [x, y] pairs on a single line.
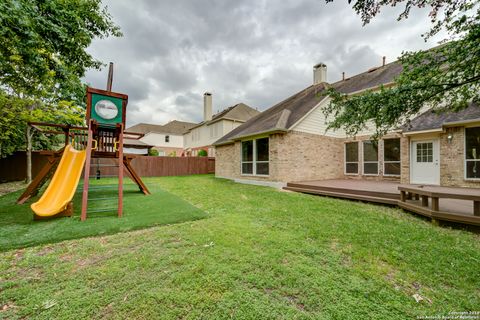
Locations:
{"points": [[255, 51]]}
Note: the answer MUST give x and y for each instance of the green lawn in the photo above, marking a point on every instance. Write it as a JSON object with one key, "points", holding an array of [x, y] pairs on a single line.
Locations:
{"points": [[260, 254], [19, 230]]}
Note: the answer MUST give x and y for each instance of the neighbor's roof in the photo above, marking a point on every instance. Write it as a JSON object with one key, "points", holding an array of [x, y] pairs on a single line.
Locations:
{"points": [[283, 115], [431, 119], [136, 143], [239, 112], [173, 127]]}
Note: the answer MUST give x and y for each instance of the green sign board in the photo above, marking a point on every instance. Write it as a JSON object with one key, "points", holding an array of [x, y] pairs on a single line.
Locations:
{"points": [[106, 110]]}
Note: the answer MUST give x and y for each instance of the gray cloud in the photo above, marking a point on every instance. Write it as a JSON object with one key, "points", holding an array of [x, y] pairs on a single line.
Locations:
{"points": [[253, 51]]}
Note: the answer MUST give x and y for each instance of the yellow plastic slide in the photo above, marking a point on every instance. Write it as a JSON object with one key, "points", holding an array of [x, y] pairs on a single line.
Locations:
{"points": [[62, 188]]}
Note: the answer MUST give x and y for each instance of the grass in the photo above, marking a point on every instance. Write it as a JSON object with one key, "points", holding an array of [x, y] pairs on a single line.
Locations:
{"points": [[19, 230], [260, 254]]}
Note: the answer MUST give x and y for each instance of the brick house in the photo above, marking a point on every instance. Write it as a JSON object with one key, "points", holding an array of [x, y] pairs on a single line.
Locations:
{"points": [[289, 142]]}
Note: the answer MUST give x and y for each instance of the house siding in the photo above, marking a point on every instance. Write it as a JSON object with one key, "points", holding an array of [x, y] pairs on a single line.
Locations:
{"points": [[227, 161], [316, 122], [452, 159], [294, 156]]}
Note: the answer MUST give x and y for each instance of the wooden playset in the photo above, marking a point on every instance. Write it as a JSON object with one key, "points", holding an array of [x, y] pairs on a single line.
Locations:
{"points": [[102, 138]]}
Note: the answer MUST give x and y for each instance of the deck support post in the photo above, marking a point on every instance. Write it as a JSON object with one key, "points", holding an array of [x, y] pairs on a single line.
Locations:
{"points": [[435, 206], [402, 196], [424, 201]]}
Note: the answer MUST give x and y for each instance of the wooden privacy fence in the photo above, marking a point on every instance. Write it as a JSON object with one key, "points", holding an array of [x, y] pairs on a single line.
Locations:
{"points": [[160, 166], [13, 168]]}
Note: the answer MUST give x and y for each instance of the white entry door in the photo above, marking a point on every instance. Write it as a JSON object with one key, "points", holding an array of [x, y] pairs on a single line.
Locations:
{"points": [[424, 162]]}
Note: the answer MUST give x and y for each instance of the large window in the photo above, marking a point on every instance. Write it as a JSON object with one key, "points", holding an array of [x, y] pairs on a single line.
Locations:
{"points": [[391, 157], [370, 157], [255, 157], [351, 158], [472, 153]]}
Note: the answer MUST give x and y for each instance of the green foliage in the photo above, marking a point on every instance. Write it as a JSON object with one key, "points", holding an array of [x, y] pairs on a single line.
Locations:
{"points": [[16, 112], [42, 59], [202, 153], [260, 254], [43, 52], [172, 154], [153, 152], [446, 77]]}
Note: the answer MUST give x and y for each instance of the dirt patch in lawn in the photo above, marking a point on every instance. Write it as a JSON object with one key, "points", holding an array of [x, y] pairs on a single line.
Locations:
{"points": [[8, 187]]}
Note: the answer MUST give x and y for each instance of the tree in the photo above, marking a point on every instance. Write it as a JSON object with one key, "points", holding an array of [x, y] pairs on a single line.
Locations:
{"points": [[43, 58], [43, 53], [446, 77]]}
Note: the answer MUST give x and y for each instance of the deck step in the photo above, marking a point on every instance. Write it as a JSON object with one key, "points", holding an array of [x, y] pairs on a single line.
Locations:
{"points": [[342, 190], [343, 195]]}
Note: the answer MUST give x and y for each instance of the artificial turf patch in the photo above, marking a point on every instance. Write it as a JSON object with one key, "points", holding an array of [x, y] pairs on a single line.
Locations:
{"points": [[140, 211]]}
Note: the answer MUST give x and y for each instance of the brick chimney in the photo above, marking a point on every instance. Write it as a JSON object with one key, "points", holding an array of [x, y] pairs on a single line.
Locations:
{"points": [[207, 106], [319, 73]]}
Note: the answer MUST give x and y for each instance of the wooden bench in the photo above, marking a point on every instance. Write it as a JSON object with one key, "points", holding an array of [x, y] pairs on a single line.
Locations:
{"points": [[417, 192]]}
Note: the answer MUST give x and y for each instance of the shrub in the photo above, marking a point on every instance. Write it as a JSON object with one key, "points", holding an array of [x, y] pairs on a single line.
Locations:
{"points": [[202, 153], [153, 152]]}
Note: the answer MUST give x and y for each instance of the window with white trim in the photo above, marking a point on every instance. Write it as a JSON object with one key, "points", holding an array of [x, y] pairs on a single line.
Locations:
{"points": [[255, 157], [370, 157], [351, 158], [472, 153], [391, 157]]}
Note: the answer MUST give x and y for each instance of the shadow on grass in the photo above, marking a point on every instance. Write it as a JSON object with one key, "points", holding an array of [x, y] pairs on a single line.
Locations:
{"points": [[18, 229]]}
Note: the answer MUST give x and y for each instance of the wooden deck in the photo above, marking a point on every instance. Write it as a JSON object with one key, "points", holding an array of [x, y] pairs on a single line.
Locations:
{"points": [[438, 203]]}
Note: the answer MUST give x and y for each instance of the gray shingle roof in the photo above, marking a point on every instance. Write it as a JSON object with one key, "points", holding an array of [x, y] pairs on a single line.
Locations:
{"points": [[283, 115], [431, 119], [239, 112], [173, 127]]}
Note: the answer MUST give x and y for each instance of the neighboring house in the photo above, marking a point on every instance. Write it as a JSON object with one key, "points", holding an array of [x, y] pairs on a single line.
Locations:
{"points": [[289, 142], [133, 146], [167, 139], [204, 134]]}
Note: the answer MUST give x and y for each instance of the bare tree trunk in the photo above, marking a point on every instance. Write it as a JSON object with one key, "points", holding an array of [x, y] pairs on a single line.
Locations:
{"points": [[29, 137]]}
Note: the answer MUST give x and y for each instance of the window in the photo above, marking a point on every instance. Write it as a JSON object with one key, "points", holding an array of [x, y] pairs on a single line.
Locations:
{"points": [[261, 161], [255, 157], [425, 152], [167, 138], [370, 157], [391, 157], [472, 153], [247, 157], [351, 158]]}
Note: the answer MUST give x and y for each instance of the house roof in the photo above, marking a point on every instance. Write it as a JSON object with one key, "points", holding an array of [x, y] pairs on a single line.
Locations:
{"points": [[172, 127], [432, 119], [135, 143], [283, 115], [239, 112]]}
